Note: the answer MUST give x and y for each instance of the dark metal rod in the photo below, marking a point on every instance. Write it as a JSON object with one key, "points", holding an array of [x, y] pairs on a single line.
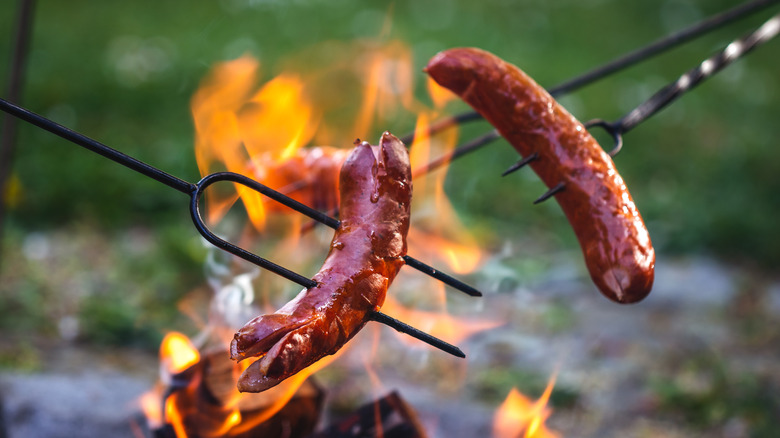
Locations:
{"points": [[520, 164], [97, 147], [269, 192], [220, 243], [663, 44], [550, 193], [461, 150], [441, 276], [417, 334], [689, 80], [18, 62], [624, 61], [195, 190], [705, 70], [445, 123]]}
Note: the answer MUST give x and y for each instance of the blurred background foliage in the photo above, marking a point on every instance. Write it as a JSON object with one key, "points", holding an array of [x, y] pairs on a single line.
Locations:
{"points": [[704, 172], [97, 253]]}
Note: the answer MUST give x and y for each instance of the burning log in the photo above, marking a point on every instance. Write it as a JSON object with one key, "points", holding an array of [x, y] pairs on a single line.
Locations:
{"points": [[388, 417], [201, 402]]}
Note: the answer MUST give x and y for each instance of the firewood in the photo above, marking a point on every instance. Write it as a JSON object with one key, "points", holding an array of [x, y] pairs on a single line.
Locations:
{"points": [[388, 417]]}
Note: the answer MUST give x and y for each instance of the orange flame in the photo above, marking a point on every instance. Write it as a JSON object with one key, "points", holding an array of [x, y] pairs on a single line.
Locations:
{"points": [[174, 418], [519, 416], [389, 82], [151, 405], [262, 132], [176, 355], [280, 394], [181, 408], [234, 128], [177, 352], [437, 233], [439, 95], [258, 134], [278, 120]]}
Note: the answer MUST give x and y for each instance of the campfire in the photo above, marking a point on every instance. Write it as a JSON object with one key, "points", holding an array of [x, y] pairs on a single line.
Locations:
{"points": [[285, 142], [277, 134], [273, 132]]}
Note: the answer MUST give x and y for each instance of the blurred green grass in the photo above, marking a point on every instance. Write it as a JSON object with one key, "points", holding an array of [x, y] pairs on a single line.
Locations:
{"points": [[704, 172]]}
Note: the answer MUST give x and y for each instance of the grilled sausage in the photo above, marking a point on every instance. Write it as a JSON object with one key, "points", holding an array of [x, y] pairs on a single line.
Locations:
{"points": [[310, 176], [613, 237], [365, 256]]}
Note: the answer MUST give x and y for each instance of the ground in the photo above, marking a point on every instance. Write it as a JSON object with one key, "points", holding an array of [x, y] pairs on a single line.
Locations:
{"points": [[696, 358]]}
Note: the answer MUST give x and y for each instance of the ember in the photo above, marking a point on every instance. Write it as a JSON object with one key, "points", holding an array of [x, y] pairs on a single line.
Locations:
{"points": [[388, 417], [201, 401]]}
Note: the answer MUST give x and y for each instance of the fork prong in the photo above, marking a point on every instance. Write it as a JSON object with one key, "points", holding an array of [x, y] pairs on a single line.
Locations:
{"points": [[417, 334], [520, 164], [550, 193]]}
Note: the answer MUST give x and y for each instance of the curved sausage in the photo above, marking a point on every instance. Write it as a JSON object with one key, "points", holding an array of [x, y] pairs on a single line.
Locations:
{"points": [[365, 256], [613, 237]]}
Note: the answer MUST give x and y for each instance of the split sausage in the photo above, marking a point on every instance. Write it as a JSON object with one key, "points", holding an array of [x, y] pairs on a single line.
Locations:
{"points": [[365, 255]]}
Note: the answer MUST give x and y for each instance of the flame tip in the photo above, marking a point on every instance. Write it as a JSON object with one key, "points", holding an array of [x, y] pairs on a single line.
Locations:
{"points": [[519, 416]]}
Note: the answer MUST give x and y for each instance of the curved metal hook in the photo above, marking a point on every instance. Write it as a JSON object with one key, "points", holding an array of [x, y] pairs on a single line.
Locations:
{"points": [[613, 129], [217, 241]]}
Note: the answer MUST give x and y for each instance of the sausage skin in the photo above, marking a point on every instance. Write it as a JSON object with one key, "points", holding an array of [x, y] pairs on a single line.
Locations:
{"points": [[595, 200], [365, 256], [310, 176]]}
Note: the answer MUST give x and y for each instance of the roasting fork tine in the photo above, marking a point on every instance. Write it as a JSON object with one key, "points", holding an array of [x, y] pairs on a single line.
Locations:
{"points": [[520, 164]]}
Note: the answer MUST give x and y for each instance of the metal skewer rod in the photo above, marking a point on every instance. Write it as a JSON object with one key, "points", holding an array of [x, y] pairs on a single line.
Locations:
{"points": [[409, 330], [97, 147], [16, 75], [657, 47], [461, 150], [687, 81]]}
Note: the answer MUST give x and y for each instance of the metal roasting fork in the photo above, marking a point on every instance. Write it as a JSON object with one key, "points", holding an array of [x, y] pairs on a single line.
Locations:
{"points": [[195, 191]]}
